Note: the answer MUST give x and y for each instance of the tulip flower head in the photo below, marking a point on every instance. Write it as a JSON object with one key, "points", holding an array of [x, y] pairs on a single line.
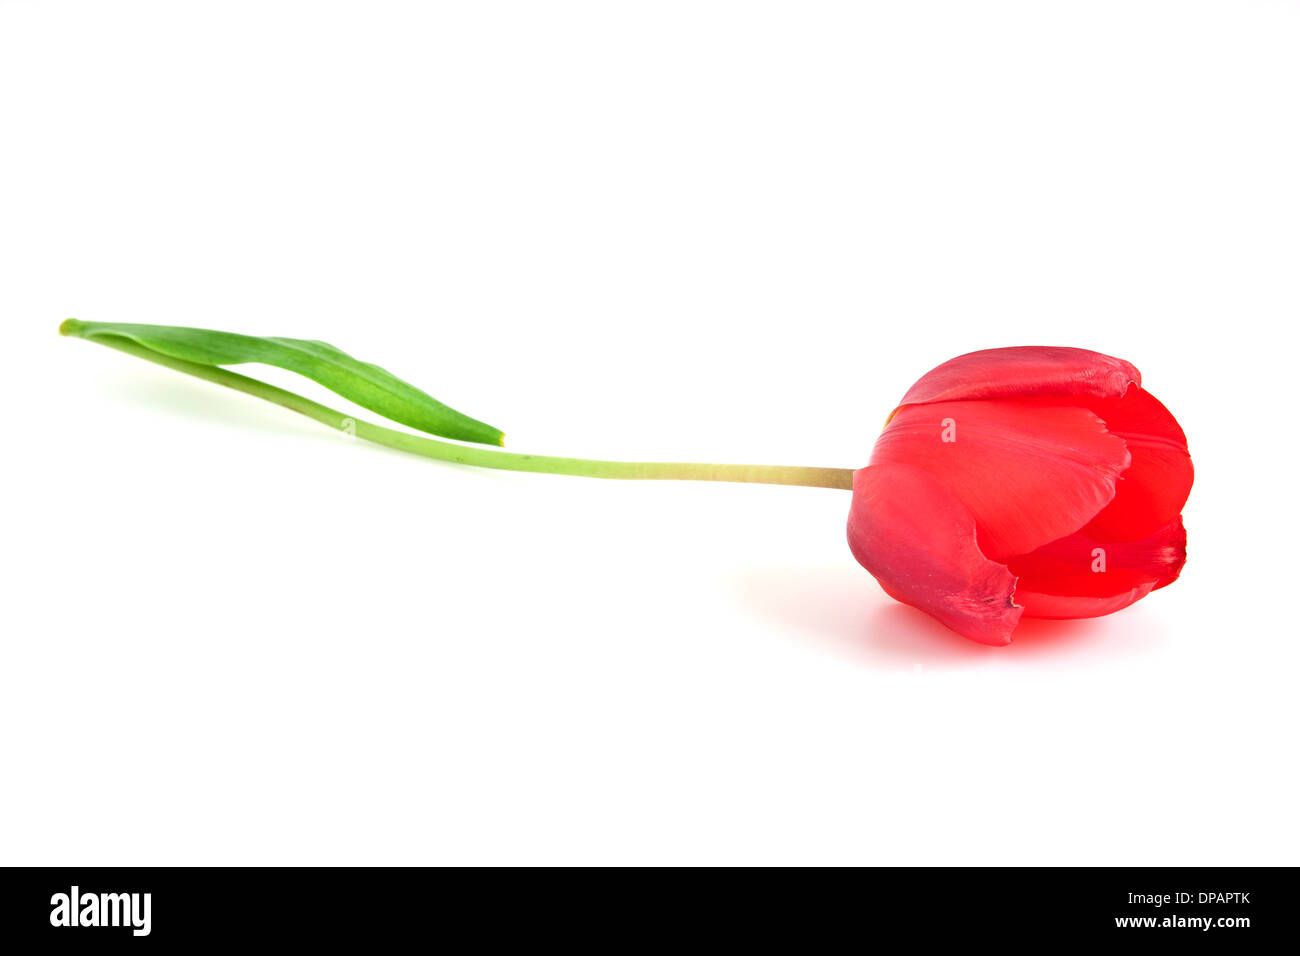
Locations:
{"points": [[1034, 481]]}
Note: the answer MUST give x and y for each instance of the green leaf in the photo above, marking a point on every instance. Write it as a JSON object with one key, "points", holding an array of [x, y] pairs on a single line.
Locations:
{"points": [[360, 382]]}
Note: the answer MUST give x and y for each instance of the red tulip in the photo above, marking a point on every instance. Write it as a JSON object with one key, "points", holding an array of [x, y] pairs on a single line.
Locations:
{"points": [[1033, 481], [1038, 481]]}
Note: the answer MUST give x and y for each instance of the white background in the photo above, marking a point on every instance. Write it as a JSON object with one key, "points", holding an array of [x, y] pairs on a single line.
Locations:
{"points": [[715, 231]]}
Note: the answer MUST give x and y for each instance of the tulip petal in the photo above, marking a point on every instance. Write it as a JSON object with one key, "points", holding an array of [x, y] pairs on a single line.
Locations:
{"points": [[1068, 607], [1153, 489], [1028, 473], [1024, 371], [1084, 576], [918, 541]]}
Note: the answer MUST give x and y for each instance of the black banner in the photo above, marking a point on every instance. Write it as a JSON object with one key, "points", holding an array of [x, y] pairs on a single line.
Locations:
{"points": [[147, 907]]}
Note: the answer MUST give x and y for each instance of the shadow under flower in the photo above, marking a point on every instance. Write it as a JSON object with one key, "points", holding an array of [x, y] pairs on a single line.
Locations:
{"points": [[844, 612]]}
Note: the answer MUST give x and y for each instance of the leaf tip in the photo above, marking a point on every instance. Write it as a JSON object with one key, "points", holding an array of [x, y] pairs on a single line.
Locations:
{"points": [[70, 327]]}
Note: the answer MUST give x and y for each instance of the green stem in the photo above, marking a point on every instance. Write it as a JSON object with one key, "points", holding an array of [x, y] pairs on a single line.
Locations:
{"points": [[482, 457]]}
